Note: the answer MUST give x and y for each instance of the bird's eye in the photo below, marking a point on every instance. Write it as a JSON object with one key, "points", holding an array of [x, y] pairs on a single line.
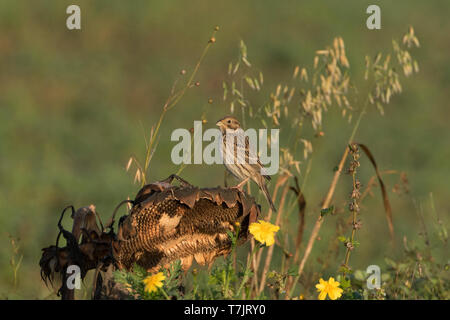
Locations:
{"points": [[229, 121]]}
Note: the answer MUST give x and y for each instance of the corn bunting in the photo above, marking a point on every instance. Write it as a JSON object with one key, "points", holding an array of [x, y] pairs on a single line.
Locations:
{"points": [[239, 159]]}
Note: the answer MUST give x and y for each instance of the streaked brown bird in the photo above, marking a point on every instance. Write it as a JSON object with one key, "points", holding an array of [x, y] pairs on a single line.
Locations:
{"points": [[242, 163]]}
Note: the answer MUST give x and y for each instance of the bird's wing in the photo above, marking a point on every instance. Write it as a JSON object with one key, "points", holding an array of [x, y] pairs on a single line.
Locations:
{"points": [[250, 157], [243, 154]]}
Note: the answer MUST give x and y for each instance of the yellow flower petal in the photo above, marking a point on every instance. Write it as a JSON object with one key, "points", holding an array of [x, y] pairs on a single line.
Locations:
{"points": [[264, 232], [270, 241], [322, 295], [330, 288], [153, 282], [332, 282], [321, 285], [335, 294]]}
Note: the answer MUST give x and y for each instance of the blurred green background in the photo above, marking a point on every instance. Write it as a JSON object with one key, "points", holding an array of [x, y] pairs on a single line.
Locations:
{"points": [[73, 105]]}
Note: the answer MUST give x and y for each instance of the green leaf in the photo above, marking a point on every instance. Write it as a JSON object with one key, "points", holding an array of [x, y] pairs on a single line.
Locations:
{"points": [[232, 237], [345, 283], [355, 243], [326, 211], [360, 275], [391, 263], [344, 269], [293, 272]]}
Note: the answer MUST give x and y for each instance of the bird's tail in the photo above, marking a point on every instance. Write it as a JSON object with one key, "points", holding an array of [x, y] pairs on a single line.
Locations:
{"points": [[263, 187]]}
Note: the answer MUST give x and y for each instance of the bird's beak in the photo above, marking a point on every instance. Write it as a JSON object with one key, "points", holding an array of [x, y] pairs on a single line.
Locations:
{"points": [[219, 123]]}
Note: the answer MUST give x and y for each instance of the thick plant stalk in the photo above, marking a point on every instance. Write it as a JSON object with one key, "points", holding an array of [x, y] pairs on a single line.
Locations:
{"points": [[301, 227], [257, 257], [254, 285], [270, 251], [280, 181]]}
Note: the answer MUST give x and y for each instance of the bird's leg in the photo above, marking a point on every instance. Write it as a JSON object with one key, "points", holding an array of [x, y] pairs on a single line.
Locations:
{"points": [[241, 184]]}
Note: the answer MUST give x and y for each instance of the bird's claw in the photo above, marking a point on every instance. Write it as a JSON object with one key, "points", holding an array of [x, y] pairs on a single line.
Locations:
{"points": [[240, 185]]}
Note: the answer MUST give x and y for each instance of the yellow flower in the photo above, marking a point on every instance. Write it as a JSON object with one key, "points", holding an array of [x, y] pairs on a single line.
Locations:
{"points": [[330, 287], [264, 232], [153, 282]]}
